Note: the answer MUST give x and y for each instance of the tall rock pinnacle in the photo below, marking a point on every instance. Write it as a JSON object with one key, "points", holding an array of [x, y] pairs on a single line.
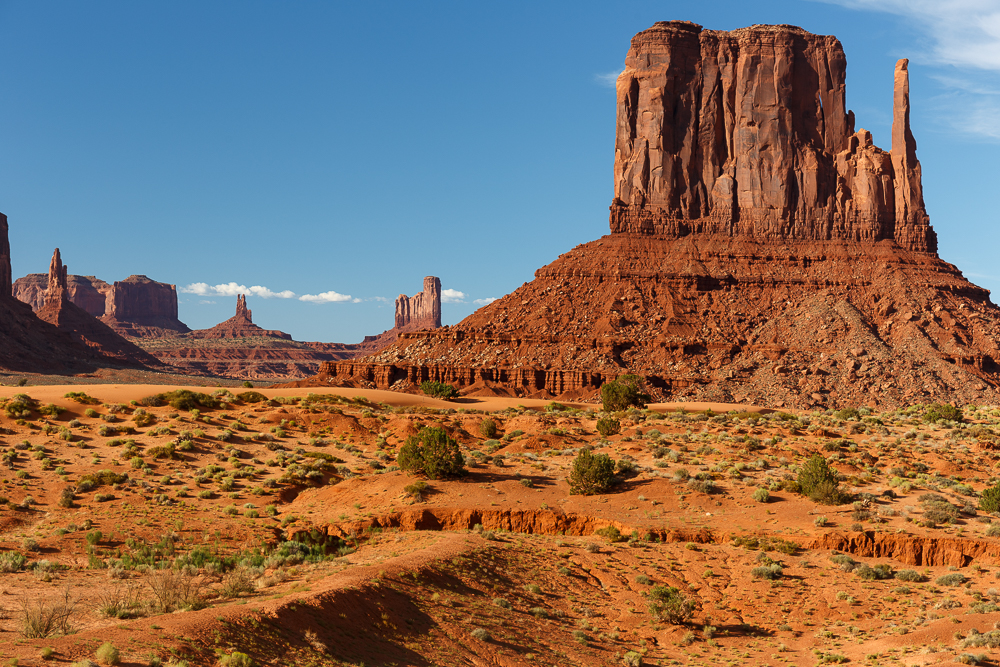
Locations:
{"points": [[242, 312], [56, 292], [746, 133], [5, 275]]}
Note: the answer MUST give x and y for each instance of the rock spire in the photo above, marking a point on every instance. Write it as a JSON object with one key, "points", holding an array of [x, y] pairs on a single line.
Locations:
{"points": [[746, 133], [5, 274], [56, 291], [422, 310]]}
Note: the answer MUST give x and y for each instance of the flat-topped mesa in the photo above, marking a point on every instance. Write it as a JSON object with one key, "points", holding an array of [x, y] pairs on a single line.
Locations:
{"points": [[746, 133], [422, 310]]}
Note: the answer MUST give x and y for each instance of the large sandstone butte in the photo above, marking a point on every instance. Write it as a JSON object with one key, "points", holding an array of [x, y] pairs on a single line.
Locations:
{"points": [[136, 307], [422, 310], [762, 250], [30, 344]]}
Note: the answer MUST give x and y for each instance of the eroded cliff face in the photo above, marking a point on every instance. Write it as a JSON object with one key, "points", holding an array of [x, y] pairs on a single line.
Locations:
{"points": [[422, 310], [87, 292], [5, 274], [142, 308], [746, 133]]}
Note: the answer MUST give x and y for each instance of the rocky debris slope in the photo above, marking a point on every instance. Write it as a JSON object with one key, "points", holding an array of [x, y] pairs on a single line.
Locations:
{"points": [[83, 327], [761, 251], [136, 307]]}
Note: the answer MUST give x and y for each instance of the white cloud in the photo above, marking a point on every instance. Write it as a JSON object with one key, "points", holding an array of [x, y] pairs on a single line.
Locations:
{"points": [[205, 301], [452, 296], [484, 302], [608, 78], [963, 36], [234, 289], [327, 297]]}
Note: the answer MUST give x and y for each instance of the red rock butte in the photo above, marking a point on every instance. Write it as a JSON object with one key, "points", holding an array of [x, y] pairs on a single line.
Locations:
{"points": [[761, 250]]}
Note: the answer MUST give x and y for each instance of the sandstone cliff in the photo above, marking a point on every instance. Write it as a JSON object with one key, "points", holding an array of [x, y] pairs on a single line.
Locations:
{"points": [[746, 133], [82, 327], [762, 250], [87, 292], [5, 274]]}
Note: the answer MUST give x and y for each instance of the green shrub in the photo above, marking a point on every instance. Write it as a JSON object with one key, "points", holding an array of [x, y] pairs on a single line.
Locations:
{"points": [[608, 425], [989, 500], [611, 533], [591, 474], [669, 605], [877, 573], [236, 659], [488, 428], [438, 389], [623, 393], [107, 654], [181, 399], [938, 411], [819, 482], [952, 579], [772, 571], [82, 398], [252, 397], [431, 452], [761, 495]]}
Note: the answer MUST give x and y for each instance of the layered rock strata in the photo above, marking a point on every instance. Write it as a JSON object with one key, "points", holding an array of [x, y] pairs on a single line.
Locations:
{"points": [[87, 292], [762, 251]]}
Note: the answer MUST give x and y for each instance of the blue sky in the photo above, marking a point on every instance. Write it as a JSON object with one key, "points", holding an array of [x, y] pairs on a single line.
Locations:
{"points": [[332, 154]]}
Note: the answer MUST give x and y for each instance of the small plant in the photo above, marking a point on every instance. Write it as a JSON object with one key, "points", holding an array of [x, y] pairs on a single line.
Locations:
{"points": [[236, 659], [481, 634], [623, 393], [818, 481], [432, 452], [989, 500], [632, 659], [44, 618], [938, 411], [669, 605], [591, 474], [909, 575], [608, 426], [952, 579], [488, 428], [761, 495], [438, 389], [107, 654]]}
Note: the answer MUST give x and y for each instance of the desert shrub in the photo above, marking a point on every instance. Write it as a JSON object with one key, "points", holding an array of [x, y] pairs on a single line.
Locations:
{"points": [[11, 561], [608, 425], [236, 659], [819, 482], [591, 474], [951, 579], [238, 581], [81, 398], [938, 411], [488, 428], [19, 406], [181, 399], [438, 389], [877, 573], [761, 495], [174, 589], [142, 418], [909, 575], [669, 605], [989, 500], [772, 571], [847, 413], [50, 410], [624, 392], [167, 451], [100, 478], [107, 654], [632, 659], [47, 618], [481, 634], [611, 533], [937, 509], [431, 452], [252, 397]]}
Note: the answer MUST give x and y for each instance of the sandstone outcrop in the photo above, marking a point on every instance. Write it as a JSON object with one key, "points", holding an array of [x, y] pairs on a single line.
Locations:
{"points": [[762, 251], [5, 273], [422, 310], [239, 325], [746, 133], [82, 327], [136, 307]]}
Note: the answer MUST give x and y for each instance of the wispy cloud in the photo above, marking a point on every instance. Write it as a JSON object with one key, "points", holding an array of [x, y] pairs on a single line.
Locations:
{"points": [[608, 78], [484, 302], [452, 296], [327, 297], [234, 289], [962, 37]]}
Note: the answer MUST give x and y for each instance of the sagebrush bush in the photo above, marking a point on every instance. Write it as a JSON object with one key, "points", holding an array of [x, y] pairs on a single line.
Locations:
{"points": [[669, 605], [608, 426], [107, 654], [438, 389], [431, 452], [818, 481], [623, 393], [488, 428], [591, 474]]}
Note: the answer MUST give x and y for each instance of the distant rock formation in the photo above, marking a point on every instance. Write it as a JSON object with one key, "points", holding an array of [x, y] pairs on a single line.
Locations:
{"points": [[239, 325], [762, 251], [84, 328], [745, 133], [136, 307], [422, 310]]}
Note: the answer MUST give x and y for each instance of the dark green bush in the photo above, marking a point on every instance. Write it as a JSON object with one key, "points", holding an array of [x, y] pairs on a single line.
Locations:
{"points": [[623, 393], [438, 389], [818, 481], [181, 399], [591, 474], [608, 425], [881, 571], [488, 428], [252, 397], [433, 453], [669, 605], [989, 500]]}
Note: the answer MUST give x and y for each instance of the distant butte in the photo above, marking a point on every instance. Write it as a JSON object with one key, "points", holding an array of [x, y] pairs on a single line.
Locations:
{"points": [[762, 250]]}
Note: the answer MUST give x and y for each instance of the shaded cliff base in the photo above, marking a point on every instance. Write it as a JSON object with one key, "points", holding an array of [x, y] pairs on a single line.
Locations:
{"points": [[507, 552]]}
